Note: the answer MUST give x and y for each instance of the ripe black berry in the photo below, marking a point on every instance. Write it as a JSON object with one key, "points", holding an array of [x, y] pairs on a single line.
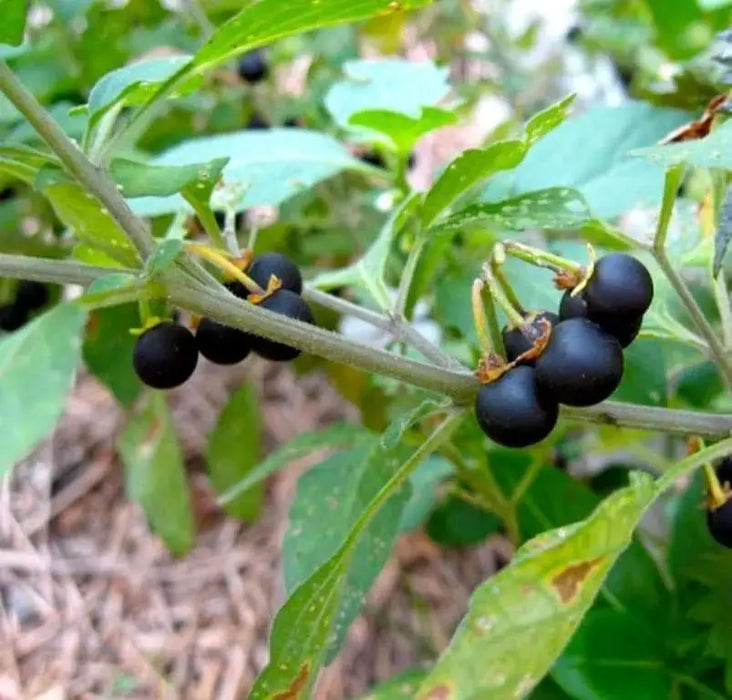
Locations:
{"points": [[511, 411], [373, 158], [165, 356], [620, 286], [12, 317], [624, 328], [521, 339], [582, 364], [281, 267], [253, 66], [719, 522], [221, 344], [289, 304], [31, 296]]}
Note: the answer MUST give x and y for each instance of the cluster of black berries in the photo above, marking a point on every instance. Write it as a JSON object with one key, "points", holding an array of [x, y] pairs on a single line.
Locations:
{"points": [[582, 363], [719, 517], [29, 297], [165, 356]]}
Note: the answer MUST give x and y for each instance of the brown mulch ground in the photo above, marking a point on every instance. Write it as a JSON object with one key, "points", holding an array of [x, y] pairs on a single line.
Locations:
{"points": [[92, 605]]}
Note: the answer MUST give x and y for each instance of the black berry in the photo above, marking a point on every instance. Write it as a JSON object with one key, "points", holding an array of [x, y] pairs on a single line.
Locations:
{"points": [[724, 471], [582, 364], [521, 339], [624, 328], [281, 267], [719, 522], [221, 344], [253, 67], [12, 317], [512, 412], [289, 304], [620, 286], [373, 158], [165, 356], [31, 295]]}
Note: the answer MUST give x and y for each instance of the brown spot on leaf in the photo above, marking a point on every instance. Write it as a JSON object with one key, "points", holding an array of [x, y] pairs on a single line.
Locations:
{"points": [[294, 692], [569, 579], [441, 692], [491, 368]]}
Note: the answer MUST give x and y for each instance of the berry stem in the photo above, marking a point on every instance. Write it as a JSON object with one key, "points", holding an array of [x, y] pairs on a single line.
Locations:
{"points": [[515, 318], [716, 348], [508, 290], [480, 319], [541, 258], [689, 464], [216, 303], [410, 268], [225, 265], [208, 221], [717, 497]]}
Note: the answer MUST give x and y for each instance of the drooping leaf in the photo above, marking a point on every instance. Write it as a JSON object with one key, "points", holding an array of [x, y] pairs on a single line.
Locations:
{"points": [[265, 21], [724, 232], [536, 603], [12, 26], [393, 86], [91, 222], [266, 167], [234, 448], [592, 154], [475, 166], [37, 368], [304, 627], [146, 180], [155, 473], [108, 347], [337, 435], [557, 207], [132, 84]]}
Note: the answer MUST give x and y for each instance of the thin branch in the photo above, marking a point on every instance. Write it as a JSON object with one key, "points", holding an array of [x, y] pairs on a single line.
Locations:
{"points": [[95, 180]]}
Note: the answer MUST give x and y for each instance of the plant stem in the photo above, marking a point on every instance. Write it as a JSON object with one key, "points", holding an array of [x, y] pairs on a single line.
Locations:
{"points": [[725, 307], [480, 319], [688, 465], [200, 17], [405, 284], [714, 488], [540, 258], [225, 265], [459, 385], [506, 286], [493, 328], [515, 319], [95, 180], [208, 221]]}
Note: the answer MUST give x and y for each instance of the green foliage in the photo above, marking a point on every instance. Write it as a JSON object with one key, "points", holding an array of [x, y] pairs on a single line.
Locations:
{"points": [[155, 473], [37, 368], [13, 25], [234, 449]]}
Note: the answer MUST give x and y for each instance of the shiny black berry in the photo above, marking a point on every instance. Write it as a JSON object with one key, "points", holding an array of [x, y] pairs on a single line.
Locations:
{"points": [[283, 268], [165, 356], [31, 296], [624, 327], [222, 344], [521, 339], [289, 304], [719, 523], [620, 286], [582, 364], [253, 67], [12, 317], [511, 411]]}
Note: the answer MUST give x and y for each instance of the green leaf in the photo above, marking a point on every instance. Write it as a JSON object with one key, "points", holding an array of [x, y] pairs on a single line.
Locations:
{"points": [[368, 273], [143, 179], [12, 26], [133, 85], [425, 482], [266, 167], [263, 22], [303, 628], [91, 222], [399, 131], [710, 152], [37, 368], [23, 163], [456, 523], [392, 85], [401, 687], [536, 603], [644, 377], [155, 474], [336, 435], [234, 449], [475, 166], [592, 154], [724, 232], [108, 347], [557, 207], [163, 256], [613, 655]]}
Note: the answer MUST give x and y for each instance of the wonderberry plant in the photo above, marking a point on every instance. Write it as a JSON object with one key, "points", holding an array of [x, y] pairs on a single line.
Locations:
{"points": [[525, 336]]}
